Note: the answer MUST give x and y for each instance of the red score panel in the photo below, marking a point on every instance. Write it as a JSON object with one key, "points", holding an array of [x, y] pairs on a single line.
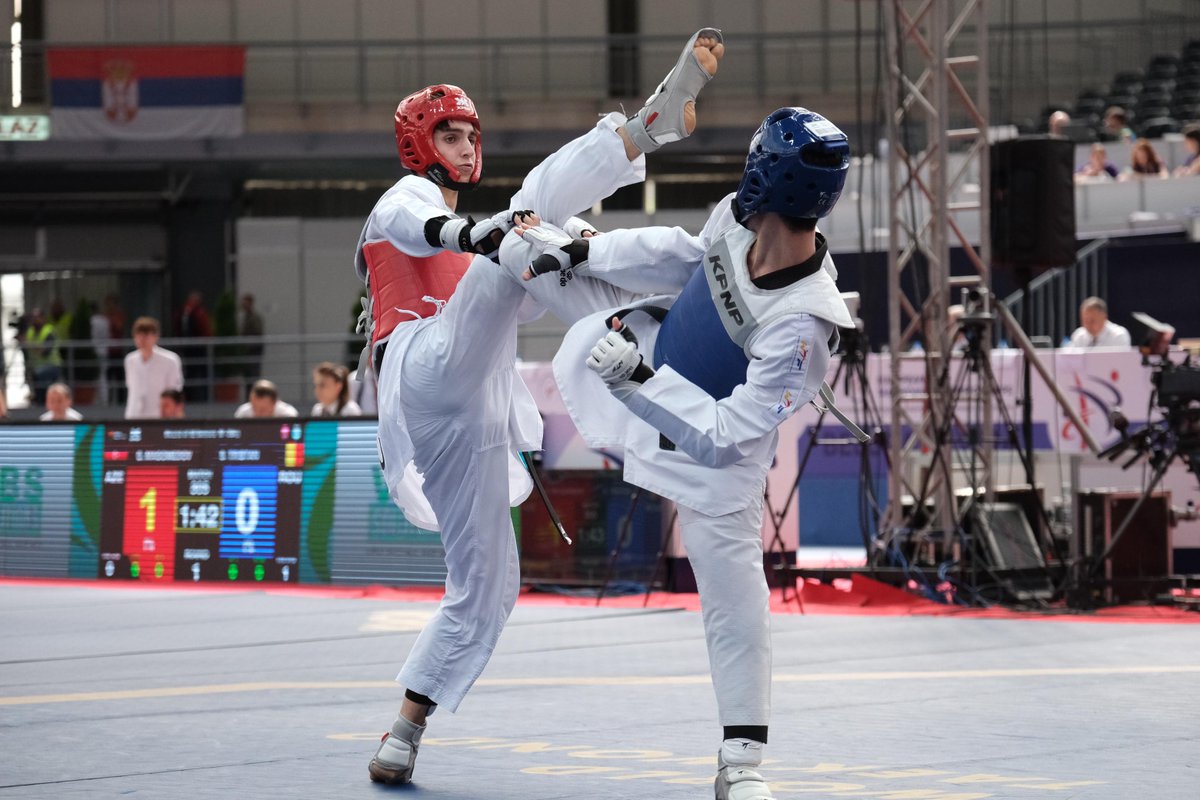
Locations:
{"points": [[149, 532]]}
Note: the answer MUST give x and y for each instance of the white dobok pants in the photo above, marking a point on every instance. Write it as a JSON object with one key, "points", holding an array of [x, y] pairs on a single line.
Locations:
{"points": [[726, 554], [454, 384]]}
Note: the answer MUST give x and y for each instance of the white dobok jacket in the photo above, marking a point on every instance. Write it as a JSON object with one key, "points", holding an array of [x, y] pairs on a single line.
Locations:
{"points": [[753, 357], [399, 219]]}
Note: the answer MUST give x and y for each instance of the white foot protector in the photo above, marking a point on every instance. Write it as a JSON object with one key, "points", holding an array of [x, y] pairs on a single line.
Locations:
{"points": [[397, 754], [740, 782], [660, 120]]}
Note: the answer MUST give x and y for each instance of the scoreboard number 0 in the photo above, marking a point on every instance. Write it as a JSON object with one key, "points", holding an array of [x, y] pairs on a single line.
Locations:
{"points": [[245, 514]]}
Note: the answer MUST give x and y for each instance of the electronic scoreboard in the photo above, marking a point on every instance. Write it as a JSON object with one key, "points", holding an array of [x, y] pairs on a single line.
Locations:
{"points": [[201, 501]]}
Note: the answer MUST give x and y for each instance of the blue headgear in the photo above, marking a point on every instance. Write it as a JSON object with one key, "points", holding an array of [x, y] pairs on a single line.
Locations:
{"points": [[796, 167]]}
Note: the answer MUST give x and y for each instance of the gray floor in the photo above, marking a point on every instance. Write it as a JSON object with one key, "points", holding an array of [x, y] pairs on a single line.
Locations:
{"points": [[160, 693]]}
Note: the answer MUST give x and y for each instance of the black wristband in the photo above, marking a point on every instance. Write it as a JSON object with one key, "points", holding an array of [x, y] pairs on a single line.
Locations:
{"points": [[577, 251], [464, 236], [641, 373], [544, 263]]}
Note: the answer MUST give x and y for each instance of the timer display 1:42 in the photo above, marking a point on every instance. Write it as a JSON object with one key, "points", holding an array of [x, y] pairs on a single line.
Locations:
{"points": [[200, 514]]}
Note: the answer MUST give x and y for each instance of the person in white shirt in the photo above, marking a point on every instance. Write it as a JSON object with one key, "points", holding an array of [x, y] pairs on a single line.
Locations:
{"points": [[331, 386], [264, 402], [1095, 330], [58, 405], [149, 370]]}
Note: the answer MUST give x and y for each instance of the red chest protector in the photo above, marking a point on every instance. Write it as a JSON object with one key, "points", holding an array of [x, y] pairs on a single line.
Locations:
{"points": [[399, 281]]}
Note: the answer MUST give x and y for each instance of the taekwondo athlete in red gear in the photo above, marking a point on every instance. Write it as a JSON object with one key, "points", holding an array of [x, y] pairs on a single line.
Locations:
{"points": [[742, 342], [452, 412]]}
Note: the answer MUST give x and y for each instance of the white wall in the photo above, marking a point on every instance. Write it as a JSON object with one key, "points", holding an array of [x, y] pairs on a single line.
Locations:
{"points": [[302, 276]]}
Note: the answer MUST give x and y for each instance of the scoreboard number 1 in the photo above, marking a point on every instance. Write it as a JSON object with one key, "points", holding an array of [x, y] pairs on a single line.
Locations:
{"points": [[149, 504]]}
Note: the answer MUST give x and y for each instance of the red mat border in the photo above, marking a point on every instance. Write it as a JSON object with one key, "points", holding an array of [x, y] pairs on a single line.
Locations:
{"points": [[859, 596]]}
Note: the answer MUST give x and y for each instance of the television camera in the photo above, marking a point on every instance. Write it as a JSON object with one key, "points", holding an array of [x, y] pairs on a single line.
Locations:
{"points": [[1177, 396]]}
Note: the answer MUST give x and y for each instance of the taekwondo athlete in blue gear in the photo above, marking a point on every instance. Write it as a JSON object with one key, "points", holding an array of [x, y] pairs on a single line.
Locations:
{"points": [[700, 380]]}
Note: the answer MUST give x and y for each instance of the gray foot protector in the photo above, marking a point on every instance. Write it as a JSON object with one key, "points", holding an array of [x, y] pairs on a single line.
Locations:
{"points": [[741, 783], [661, 120], [397, 753]]}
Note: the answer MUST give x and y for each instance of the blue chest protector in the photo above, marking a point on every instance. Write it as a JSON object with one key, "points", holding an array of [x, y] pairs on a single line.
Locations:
{"points": [[693, 341]]}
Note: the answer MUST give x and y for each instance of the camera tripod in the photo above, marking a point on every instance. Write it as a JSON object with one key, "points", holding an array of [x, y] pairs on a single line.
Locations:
{"points": [[851, 377]]}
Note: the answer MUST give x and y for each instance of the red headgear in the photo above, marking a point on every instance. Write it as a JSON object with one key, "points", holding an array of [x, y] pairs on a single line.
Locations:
{"points": [[417, 116]]}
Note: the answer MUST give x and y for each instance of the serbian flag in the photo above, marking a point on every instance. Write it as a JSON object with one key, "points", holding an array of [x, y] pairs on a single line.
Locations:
{"points": [[146, 92]]}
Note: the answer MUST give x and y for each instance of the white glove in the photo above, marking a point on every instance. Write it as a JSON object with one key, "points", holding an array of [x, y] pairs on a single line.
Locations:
{"points": [[615, 357], [576, 228]]}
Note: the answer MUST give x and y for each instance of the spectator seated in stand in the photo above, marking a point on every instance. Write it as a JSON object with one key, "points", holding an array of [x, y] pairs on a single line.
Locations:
{"points": [[264, 402], [1191, 164], [170, 404], [1058, 123], [1144, 162], [58, 405], [1097, 168], [331, 387], [1116, 124], [1095, 329]]}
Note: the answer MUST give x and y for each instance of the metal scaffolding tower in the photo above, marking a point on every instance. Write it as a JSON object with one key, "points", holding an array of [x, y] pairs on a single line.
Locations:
{"points": [[938, 171]]}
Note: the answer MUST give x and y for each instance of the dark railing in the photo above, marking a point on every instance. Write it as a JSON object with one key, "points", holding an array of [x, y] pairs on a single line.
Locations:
{"points": [[1054, 297], [217, 370]]}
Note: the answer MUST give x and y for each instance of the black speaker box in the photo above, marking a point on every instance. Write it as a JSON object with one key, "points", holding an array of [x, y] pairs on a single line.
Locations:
{"points": [[1031, 502], [1033, 203], [1004, 532]]}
